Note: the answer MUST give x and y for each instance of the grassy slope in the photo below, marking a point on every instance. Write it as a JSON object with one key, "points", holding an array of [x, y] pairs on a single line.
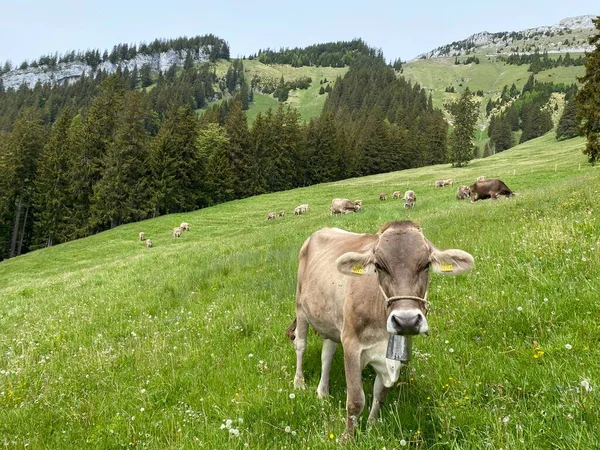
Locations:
{"points": [[107, 344], [308, 101], [489, 75]]}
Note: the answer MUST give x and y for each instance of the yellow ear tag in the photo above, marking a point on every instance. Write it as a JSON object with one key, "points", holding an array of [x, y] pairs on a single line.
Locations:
{"points": [[358, 270], [446, 267]]}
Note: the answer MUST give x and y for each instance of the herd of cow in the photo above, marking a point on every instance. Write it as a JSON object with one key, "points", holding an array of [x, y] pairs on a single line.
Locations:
{"points": [[175, 232], [369, 293]]}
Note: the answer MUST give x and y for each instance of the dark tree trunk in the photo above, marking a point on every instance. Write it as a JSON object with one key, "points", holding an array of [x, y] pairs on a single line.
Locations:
{"points": [[23, 229], [15, 233]]}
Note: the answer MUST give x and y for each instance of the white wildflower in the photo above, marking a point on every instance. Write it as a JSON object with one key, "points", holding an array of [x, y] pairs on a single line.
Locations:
{"points": [[505, 419], [292, 396], [519, 308], [568, 346], [585, 384], [402, 443], [288, 429]]}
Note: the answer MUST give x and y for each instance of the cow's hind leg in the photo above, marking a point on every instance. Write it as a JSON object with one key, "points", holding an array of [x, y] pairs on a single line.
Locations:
{"points": [[379, 394], [327, 354], [300, 345]]}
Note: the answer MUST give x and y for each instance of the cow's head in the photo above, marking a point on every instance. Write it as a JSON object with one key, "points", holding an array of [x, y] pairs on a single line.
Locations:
{"points": [[401, 258]]}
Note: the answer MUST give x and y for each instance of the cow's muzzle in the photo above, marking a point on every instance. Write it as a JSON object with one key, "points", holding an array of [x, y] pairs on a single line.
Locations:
{"points": [[406, 322]]}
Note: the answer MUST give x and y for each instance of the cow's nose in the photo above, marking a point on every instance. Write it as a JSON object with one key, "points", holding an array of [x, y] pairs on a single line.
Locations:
{"points": [[407, 322]]}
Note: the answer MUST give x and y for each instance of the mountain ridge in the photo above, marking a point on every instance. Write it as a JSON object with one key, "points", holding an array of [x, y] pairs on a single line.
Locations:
{"points": [[499, 41]]}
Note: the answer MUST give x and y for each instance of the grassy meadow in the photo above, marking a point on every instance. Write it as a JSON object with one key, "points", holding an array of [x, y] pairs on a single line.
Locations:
{"points": [[107, 344]]}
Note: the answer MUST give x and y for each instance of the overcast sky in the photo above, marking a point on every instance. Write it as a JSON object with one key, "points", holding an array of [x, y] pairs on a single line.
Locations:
{"points": [[402, 29]]}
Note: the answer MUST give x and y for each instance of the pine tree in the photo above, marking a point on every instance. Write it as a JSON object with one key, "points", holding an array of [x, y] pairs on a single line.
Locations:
{"points": [[120, 195], [23, 146], [464, 112], [53, 199], [588, 98], [97, 134], [568, 125], [213, 146]]}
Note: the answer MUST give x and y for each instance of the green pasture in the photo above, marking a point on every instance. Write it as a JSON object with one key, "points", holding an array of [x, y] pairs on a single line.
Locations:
{"points": [[106, 344]]}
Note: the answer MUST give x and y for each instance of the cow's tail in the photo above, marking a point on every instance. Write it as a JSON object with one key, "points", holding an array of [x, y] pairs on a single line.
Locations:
{"points": [[291, 330]]}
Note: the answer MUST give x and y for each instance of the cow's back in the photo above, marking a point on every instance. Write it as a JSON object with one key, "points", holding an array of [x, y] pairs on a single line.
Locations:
{"points": [[321, 287]]}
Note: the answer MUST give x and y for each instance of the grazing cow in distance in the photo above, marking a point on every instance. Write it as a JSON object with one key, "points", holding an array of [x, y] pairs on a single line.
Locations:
{"points": [[365, 291], [463, 193], [281, 214], [397, 194], [184, 226], [301, 209], [481, 190], [481, 178], [343, 206], [176, 232], [148, 243], [382, 196], [271, 216], [142, 236], [442, 183], [410, 198]]}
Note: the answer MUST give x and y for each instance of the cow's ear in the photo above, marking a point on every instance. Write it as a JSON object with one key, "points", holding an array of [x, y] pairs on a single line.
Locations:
{"points": [[356, 264], [451, 261]]}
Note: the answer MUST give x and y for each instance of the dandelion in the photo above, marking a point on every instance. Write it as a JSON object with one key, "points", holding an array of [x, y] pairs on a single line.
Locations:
{"points": [[331, 436], [240, 420], [585, 384], [288, 429], [142, 391], [142, 409], [451, 350], [250, 355], [568, 346], [234, 432], [228, 423], [402, 443], [545, 300], [505, 419], [519, 308], [292, 396]]}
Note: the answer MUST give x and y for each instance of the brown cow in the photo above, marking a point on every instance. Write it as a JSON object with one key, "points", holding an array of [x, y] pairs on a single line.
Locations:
{"points": [[480, 190], [184, 226], [397, 194], [142, 235], [343, 206], [271, 216], [176, 232], [360, 290], [148, 243], [463, 193], [281, 214], [410, 198], [382, 196]]}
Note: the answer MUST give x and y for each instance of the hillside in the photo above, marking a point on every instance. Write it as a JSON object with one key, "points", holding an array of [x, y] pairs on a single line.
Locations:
{"points": [[109, 344]]}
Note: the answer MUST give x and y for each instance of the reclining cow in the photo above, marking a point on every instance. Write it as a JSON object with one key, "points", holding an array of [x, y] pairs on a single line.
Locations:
{"points": [[343, 206], [481, 190]]}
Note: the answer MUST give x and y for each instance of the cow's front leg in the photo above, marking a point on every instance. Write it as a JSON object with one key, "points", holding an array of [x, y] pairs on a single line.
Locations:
{"points": [[379, 394], [355, 397], [300, 345], [327, 354]]}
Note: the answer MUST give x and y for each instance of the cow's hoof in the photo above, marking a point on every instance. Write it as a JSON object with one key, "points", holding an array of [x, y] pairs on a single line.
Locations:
{"points": [[299, 383], [322, 393]]}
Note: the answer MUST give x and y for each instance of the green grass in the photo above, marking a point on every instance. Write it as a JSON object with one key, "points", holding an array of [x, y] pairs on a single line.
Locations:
{"points": [[107, 344]]}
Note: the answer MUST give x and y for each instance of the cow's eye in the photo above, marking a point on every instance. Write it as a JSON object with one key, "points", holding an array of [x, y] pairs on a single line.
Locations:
{"points": [[378, 266]]}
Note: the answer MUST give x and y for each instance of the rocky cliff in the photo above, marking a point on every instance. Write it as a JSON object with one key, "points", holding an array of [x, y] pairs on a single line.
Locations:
{"points": [[69, 72]]}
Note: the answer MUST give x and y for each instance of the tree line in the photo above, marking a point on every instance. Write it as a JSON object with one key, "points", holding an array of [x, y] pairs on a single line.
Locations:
{"points": [[332, 54], [125, 154], [538, 62]]}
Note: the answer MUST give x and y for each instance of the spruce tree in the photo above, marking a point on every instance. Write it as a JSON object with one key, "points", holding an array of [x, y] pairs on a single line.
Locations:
{"points": [[568, 125], [120, 195], [464, 112], [23, 146], [53, 199], [213, 146], [588, 98]]}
